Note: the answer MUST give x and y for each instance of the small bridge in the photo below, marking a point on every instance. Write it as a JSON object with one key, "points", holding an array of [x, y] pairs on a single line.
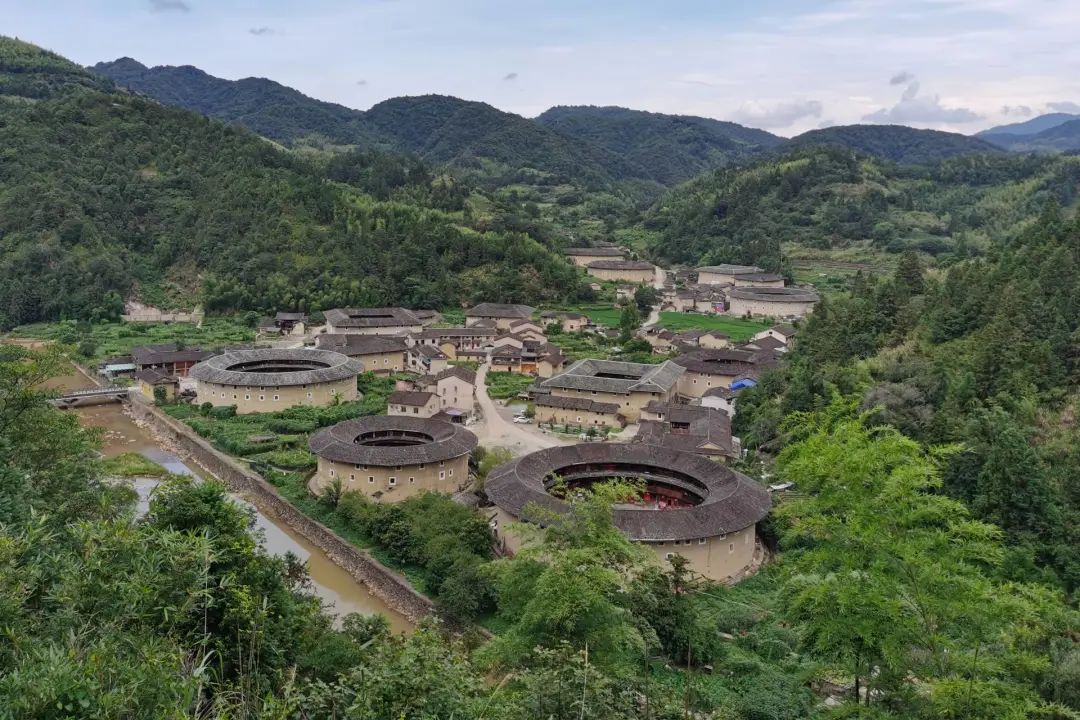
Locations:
{"points": [[90, 396]]}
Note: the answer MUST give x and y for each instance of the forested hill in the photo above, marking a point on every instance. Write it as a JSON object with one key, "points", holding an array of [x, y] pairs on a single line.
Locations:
{"points": [[897, 143], [673, 148], [438, 128], [105, 194], [30, 72], [832, 198], [1063, 137]]}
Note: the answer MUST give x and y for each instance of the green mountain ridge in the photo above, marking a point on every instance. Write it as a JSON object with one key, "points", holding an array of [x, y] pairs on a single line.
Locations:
{"points": [[1062, 137], [1028, 127], [896, 143], [105, 194]]}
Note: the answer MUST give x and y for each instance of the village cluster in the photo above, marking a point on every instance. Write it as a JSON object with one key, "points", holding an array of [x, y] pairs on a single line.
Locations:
{"points": [[669, 423]]}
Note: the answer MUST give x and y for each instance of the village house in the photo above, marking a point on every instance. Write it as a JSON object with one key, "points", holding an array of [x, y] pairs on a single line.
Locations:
{"points": [[453, 341], [168, 358], [150, 379], [570, 322], [576, 412], [707, 369], [635, 272], [412, 403], [783, 333], [284, 323], [759, 279], [724, 274], [766, 343], [527, 357], [719, 398], [775, 302], [455, 387], [373, 321], [498, 315], [702, 430], [714, 340], [631, 386], [696, 298], [582, 256], [659, 339], [379, 354], [426, 359]]}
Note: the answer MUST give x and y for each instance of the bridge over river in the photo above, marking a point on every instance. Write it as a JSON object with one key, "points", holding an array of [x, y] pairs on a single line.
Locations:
{"points": [[90, 396]]}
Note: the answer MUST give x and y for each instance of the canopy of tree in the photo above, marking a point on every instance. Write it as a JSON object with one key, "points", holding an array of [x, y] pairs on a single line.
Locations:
{"points": [[673, 148], [102, 193]]}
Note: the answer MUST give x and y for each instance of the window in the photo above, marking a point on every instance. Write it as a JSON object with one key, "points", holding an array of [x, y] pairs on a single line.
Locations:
{"points": [[393, 481], [261, 398], [247, 397], [309, 395], [276, 397], [331, 472], [234, 396], [442, 474], [451, 472], [352, 476], [423, 465], [371, 479], [441, 463], [412, 480], [668, 556], [222, 394], [701, 541], [731, 547]]}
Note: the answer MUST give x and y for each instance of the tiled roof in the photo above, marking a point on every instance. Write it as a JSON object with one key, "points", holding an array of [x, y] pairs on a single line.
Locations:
{"points": [[437, 333], [411, 398], [355, 345], [706, 426], [620, 265], [731, 501], [759, 277], [155, 377], [371, 317], [596, 251], [500, 310], [726, 361], [167, 353], [438, 441], [265, 367], [729, 269], [774, 294], [633, 377], [574, 403]]}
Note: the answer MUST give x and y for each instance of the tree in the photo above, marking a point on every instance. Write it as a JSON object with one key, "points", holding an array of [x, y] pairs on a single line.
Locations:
{"points": [[645, 297], [629, 322]]}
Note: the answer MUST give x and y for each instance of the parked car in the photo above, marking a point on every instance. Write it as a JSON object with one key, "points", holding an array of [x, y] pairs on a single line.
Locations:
{"points": [[521, 419]]}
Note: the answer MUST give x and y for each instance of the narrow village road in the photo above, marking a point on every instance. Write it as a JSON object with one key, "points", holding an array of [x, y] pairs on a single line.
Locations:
{"points": [[658, 283], [498, 429]]}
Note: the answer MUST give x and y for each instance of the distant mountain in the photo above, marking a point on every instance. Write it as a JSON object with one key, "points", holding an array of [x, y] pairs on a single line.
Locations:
{"points": [[1063, 137], [673, 148], [438, 128], [1028, 127], [897, 143]]}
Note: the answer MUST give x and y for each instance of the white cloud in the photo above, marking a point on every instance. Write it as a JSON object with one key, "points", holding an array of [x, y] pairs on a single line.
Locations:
{"points": [[915, 109], [510, 76], [901, 78], [169, 6], [776, 115], [1066, 106], [1016, 110]]}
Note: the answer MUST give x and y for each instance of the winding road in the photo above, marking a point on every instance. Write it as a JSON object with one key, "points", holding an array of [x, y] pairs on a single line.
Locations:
{"points": [[658, 283], [497, 428]]}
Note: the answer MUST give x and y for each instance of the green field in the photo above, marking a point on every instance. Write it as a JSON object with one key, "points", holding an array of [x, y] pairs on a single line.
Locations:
{"points": [[103, 340], [506, 385], [739, 329]]}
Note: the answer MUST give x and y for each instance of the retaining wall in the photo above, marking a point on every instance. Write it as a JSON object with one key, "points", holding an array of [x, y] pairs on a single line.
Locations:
{"points": [[383, 582]]}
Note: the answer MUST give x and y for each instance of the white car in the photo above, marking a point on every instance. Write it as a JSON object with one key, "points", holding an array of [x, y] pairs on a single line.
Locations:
{"points": [[521, 419]]}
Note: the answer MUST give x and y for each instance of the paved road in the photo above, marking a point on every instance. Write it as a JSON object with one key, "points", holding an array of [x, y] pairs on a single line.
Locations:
{"points": [[498, 430], [658, 283]]}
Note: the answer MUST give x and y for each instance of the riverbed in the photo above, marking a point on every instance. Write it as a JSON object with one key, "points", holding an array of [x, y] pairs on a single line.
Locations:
{"points": [[339, 590]]}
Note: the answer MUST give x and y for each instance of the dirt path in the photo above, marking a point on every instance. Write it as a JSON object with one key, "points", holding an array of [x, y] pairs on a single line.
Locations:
{"points": [[497, 428], [658, 283]]}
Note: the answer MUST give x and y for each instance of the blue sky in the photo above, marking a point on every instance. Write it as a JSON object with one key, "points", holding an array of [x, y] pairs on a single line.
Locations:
{"points": [[778, 64]]}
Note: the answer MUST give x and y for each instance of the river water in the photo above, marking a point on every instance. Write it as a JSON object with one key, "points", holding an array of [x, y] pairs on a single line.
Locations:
{"points": [[121, 435]]}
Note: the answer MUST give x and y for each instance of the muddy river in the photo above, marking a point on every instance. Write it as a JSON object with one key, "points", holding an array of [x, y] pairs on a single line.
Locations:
{"points": [[121, 435]]}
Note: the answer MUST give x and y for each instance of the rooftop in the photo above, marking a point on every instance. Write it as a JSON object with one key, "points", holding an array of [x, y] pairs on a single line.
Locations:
{"points": [[167, 353], [576, 403], [272, 367], [726, 361], [774, 294], [500, 310], [691, 428], [353, 345], [724, 269], [760, 276], [371, 317], [607, 251], [620, 265], [411, 398], [391, 440], [457, 371], [613, 376], [726, 501]]}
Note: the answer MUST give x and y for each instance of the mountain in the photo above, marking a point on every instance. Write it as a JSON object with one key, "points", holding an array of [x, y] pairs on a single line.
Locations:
{"points": [[438, 128], [827, 197], [106, 195], [897, 143], [673, 148], [1063, 137], [1028, 127]]}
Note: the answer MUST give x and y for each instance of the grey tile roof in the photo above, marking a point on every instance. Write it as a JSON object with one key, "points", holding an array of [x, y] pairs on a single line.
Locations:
{"points": [[774, 294], [620, 265], [596, 251], [576, 403], [704, 426], [439, 333], [731, 501], [726, 361], [759, 277], [167, 353], [411, 398], [637, 377], [438, 441], [357, 345], [456, 371], [500, 310], [729, 269], [155, 377], [272, 367], [371, 317], [428, 351]]}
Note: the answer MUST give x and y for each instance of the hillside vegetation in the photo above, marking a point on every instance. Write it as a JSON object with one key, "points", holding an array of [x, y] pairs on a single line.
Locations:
{"points": [[104, 194], [831, 198], [895, 143], [672, 148]]}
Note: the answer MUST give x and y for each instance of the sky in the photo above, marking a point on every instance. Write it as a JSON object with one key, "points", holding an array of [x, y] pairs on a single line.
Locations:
{"points": [[786, 66]]}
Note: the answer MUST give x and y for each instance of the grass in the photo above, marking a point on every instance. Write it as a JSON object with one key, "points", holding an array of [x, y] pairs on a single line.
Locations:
{"points": [[505, 385], [108, 339], [739, 329], [131, 465]]}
